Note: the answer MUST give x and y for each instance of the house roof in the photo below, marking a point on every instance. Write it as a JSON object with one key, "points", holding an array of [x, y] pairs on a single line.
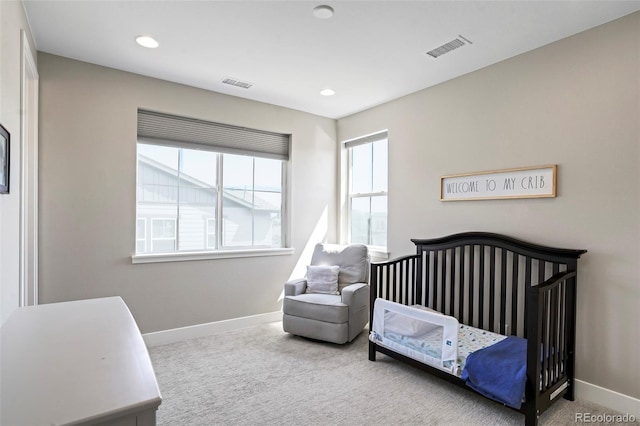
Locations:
{"points": [[241, 196]]}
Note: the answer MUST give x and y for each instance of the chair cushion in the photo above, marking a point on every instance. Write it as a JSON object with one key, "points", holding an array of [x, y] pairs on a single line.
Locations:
{"points": [[353, 261], [322, 279], [321, 307]]}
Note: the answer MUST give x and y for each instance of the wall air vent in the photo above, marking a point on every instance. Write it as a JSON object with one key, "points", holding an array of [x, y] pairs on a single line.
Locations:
{"points": [[237, 83], [448, 47]]}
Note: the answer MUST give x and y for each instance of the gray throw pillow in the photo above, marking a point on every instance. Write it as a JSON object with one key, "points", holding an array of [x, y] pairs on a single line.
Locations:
{"points": [[322, 279]]}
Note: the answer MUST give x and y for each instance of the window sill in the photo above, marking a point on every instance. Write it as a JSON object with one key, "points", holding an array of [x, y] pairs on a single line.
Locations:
{"points": [[378, 253], [207, 255]]}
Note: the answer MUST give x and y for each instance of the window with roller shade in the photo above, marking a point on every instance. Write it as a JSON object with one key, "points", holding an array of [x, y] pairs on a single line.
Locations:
{"points": [[204, 186]]}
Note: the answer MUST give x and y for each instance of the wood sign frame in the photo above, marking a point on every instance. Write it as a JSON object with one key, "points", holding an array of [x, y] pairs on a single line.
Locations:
{"points": [[523, 182]]}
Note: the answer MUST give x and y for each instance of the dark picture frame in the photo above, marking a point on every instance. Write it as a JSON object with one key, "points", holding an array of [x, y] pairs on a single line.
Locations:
{"points": [[4, 159]]}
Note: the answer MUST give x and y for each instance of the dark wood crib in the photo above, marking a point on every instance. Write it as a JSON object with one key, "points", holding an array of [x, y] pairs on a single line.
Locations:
{"points": [[500, 284]]}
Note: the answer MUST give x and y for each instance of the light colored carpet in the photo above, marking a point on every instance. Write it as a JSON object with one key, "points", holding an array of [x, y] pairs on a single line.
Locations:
{"points": [[263, 376]]}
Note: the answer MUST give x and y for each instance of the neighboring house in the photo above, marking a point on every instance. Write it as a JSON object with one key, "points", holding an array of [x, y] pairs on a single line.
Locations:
{"points": [[245, 215]]}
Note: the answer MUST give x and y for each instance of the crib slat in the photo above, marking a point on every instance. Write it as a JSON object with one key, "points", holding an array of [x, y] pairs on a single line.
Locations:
{"points": [[461, 294], [527, 286], [388, 282], [404, 283], [472, 269], [552, 336], [545, 342], [514, 295], [452, 284], [492, 287], [434, 300], [563, 324], [481, 287], [426, 286], [503, 291]]}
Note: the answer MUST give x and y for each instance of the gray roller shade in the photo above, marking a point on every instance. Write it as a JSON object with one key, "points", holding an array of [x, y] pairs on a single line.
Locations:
{"points": [[166, 129]]}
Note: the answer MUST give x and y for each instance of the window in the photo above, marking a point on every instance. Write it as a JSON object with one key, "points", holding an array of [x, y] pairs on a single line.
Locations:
{"points": [[202, 197], [367, 186]]}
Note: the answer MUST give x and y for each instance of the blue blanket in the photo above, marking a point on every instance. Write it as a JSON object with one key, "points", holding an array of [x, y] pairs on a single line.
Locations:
{"points": [[499, 371]]}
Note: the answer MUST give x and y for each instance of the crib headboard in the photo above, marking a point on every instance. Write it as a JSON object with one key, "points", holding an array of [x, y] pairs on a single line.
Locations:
{"points": [[480, 278]]}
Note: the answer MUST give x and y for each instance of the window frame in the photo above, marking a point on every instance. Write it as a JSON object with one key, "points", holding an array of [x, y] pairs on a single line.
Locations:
{"points": [[221, 251], [350, 196]]}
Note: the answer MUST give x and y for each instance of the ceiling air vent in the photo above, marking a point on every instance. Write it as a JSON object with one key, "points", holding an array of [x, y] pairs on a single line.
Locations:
{"points": [[237, 83], [448, 47]]}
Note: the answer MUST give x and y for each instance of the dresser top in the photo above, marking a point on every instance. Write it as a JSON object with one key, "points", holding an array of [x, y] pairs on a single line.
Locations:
{"points": [[74, 362]]}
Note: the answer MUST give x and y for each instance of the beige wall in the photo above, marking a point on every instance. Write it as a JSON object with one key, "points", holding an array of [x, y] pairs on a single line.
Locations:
{"points": [[12, 22], [575, 103], [87, 197]]}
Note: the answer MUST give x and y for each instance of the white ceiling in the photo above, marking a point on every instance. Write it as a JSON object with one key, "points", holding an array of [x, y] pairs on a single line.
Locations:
{"points": [[369, 52]]}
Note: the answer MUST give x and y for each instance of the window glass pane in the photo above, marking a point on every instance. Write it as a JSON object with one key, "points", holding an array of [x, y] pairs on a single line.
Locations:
{"points": [[268, 174], [360, 220], [267, 203], [163, 228], [237, 173], [369, 175], [211, 233], [140, 229], [141, 235], [361, 162], [177, 196], [198, 168], [164, 245], [163, 234], [266, 219], [198, 197], [379, 221], [193, 226], [163, 155], [238, 201], [380, 166], [157, 174]]}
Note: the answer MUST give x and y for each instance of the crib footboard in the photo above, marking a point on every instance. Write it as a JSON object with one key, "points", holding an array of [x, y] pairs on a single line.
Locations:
{"points": [[551, 317]]}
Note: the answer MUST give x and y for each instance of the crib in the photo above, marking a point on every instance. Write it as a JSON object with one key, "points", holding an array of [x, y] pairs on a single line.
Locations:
{"points": [[495, 283]]}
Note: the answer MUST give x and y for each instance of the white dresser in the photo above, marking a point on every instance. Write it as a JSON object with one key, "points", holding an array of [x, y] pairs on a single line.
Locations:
{"points": [[76, 363]]}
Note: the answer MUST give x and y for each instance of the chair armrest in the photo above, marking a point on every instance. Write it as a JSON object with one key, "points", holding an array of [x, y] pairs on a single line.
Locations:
{"points": [[356, 295], [295, 287]]}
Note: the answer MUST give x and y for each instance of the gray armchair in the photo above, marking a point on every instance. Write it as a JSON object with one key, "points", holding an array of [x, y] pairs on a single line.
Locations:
{"points": [[329, 315]]}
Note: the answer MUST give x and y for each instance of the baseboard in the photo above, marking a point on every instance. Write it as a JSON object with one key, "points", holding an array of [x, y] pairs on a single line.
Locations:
{"points": [[201, 330], [611, 399]]}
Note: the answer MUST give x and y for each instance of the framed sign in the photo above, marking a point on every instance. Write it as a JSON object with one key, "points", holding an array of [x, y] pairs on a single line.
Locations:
{"points": [[4, 160], [524, 182]]}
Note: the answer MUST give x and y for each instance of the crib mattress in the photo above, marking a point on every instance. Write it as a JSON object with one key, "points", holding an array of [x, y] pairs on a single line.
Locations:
{"points": [[470, 339]]}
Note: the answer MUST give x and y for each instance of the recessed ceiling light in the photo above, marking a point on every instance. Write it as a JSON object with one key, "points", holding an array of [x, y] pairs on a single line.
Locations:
{"points": [[147, 41], [323, 12], [327, 92]]}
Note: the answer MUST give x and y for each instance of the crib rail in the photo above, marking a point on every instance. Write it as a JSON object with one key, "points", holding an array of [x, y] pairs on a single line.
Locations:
{"points": [[394, 280], [482, 279]]}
